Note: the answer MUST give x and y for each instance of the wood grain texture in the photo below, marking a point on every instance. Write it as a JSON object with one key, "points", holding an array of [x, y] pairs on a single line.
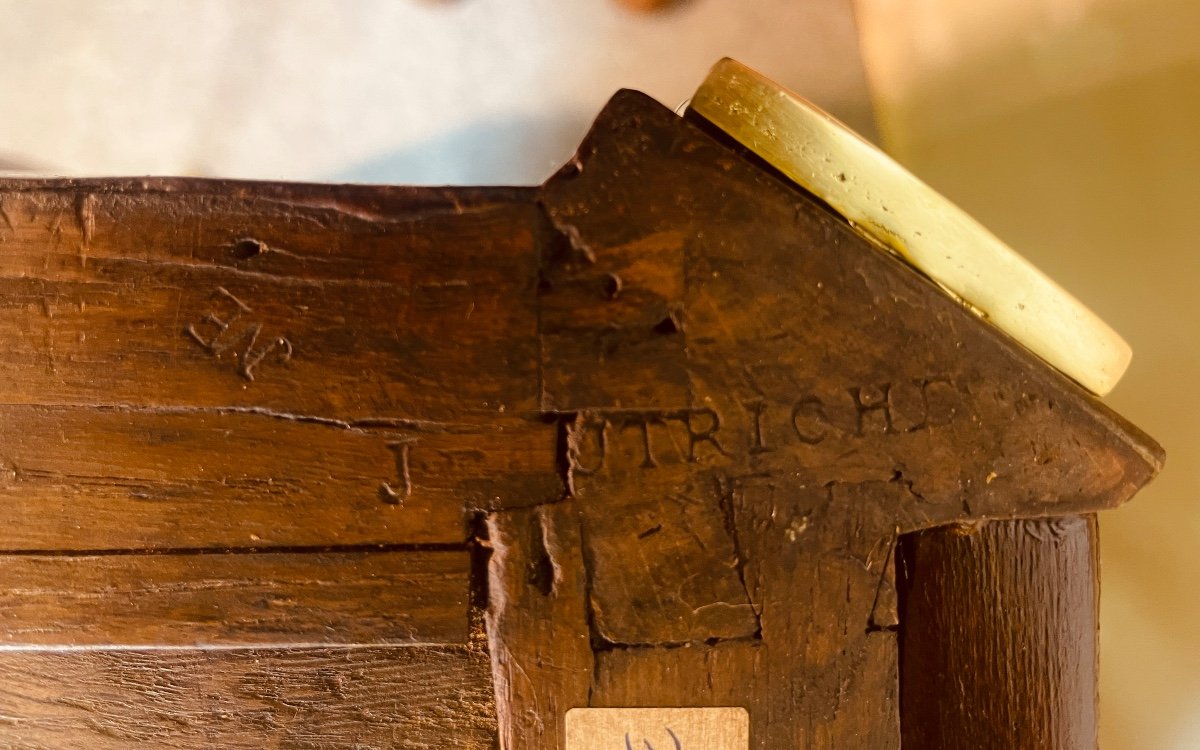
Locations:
{"points": [[537, 625], [760, 403], [293, 699], [293, 373], [687, 411], [712, 728], [1000, 635], [310, 357], [238, 599], [667, 525], [847, 363], [394, 302], [86, 478]]}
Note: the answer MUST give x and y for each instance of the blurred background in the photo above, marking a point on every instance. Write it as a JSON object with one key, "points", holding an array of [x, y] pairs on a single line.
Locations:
{"points": [[1069, 127]]}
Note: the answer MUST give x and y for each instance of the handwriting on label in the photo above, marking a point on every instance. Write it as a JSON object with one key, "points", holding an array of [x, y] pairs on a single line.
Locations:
{"points": [[654, 436], [658, 729], [221, 331]]}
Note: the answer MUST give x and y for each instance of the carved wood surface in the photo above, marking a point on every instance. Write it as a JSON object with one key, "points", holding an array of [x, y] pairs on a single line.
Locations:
{"points": [[647, 436]]}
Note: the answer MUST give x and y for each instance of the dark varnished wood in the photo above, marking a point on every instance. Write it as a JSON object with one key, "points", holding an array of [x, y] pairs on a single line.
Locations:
{"points": [[232, 342], [650, 435], [542, 653], [395, 302], [812, 401], [235, 599], [1001, 625], [219, 400]]}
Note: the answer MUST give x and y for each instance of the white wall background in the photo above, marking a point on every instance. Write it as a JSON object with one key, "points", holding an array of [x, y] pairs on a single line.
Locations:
{"points": [[453, 91]]}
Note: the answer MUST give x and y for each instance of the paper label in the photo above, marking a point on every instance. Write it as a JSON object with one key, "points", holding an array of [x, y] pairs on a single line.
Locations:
{"points": [[658, 729]]}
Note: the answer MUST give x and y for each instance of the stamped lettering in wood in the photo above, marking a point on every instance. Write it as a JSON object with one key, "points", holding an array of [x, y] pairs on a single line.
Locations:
{"points": [[690, 433], [652, 437]]}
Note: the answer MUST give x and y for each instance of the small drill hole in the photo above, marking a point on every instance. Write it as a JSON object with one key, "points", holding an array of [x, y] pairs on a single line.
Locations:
{"points": [[248, 248]]}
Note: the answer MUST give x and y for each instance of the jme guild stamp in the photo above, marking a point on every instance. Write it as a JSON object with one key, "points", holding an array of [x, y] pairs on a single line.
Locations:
{"points": [[658, 729]]}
